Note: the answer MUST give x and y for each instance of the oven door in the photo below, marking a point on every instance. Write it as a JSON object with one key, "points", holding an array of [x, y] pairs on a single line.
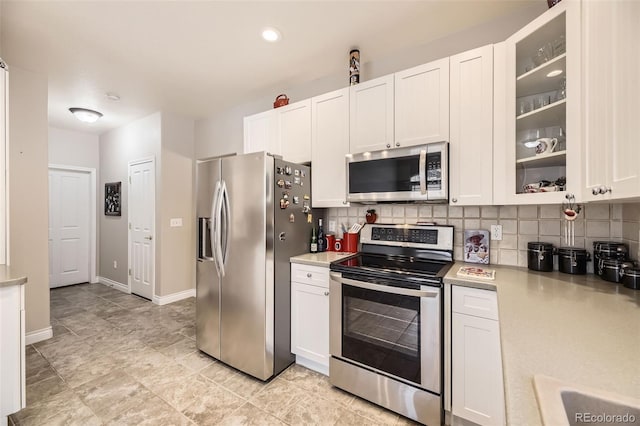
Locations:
{"points": [[416, 173], [391, 330]]}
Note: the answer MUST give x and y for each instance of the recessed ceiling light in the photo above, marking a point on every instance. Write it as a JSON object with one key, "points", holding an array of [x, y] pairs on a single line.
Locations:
{"points": [[271, 34], [112, 96], [86, 115], [554, 73]]}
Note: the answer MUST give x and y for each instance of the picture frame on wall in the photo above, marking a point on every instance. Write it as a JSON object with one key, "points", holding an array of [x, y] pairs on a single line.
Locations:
{"points": [[476, 246], [112, 199]]}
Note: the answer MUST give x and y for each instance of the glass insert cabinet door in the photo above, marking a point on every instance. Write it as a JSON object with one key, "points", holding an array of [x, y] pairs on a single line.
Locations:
{"points": [[542, 142], [382, 330]]}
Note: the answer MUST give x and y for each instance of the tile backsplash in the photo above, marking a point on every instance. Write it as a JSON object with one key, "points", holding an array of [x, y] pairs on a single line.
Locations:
{"points": [[520, 224]]}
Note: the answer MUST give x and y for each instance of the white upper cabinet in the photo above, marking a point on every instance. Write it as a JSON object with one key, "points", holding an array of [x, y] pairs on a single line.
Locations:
{"points": [[471, 132], [283, 131], [422, 104], [610, 32], [261, 132], [538, 151], [329, 146], [371, 115], [295, 131]]}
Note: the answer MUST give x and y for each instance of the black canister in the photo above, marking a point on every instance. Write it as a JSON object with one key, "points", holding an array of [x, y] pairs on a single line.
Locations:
{"points": [[540, 256], [631, 278], [573, 260], [610, 269], [611, 249]]}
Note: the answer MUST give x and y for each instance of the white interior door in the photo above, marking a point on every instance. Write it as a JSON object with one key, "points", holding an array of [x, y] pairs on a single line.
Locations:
{"points": [[69, 221], [141, 223]]}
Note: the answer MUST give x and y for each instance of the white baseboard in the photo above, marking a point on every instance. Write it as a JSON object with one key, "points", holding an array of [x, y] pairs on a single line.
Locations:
{"points": [[312, 365], [38, 335], [174, 297], [114, 284]]}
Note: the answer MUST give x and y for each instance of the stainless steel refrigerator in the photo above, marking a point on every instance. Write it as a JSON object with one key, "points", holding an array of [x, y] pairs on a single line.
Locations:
{"points": [[252, 217]]}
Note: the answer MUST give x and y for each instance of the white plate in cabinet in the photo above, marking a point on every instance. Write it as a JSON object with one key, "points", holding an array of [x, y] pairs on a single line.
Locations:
{"points": [[422, 104], [309, 274], [371, 115]]}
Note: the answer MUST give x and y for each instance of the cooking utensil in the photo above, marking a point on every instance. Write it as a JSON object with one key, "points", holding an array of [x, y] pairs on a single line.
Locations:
{"points": [[355, 228]]}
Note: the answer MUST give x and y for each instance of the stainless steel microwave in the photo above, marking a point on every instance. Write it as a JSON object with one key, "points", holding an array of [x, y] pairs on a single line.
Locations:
{"points": [[417, 173]]}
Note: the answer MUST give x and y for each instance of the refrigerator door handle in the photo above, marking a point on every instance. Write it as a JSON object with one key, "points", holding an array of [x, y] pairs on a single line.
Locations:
{"points": [[215, 224], [227, 222], [218, 216]]}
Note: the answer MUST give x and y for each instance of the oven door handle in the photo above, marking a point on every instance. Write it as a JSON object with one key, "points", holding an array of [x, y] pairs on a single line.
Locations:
{"points": [[387, 289]]}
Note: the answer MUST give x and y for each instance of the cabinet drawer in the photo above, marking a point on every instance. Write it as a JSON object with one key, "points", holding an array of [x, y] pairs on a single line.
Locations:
{"points": [[473, 301], [307, 274]]}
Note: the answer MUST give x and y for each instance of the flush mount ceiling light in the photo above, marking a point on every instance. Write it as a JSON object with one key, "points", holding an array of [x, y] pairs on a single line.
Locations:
{"points": [[85, 115], [271, 34], [554, 73]]}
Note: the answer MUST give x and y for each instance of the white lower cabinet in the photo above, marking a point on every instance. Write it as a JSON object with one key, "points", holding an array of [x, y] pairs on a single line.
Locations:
{"points": [[310, 316], [12, 350], [477, 390]]}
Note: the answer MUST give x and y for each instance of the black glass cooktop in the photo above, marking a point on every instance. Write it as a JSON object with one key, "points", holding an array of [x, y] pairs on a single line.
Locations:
{"points": [[392, 267]]}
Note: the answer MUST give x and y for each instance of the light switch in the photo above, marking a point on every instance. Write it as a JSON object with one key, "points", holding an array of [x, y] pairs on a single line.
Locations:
{"points": [[175, 221]]}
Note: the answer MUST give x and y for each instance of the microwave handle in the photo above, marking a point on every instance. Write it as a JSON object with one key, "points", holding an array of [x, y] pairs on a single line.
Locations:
{"points": [[423, 171]]}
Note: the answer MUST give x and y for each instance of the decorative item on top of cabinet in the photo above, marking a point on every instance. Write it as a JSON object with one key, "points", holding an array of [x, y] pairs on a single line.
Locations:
{"points": [[471, 128], [354, 67], [281, 100], [329, 147], [541, 100]]}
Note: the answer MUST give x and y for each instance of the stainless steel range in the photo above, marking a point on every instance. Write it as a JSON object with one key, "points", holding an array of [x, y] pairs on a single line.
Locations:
{"points": [[386, 324]]}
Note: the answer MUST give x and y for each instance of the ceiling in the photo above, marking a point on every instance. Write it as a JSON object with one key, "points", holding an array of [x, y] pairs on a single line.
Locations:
{"points": [[198, 57]]}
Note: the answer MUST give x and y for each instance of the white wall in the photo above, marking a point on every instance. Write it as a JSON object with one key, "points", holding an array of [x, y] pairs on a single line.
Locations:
{"points": [[222, 133], [29, 190], [139, 139], [71, 148], [177, 265]]}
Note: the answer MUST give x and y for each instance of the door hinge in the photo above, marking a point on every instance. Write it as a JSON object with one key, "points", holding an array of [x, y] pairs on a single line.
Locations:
{"points": [[129, 271]]}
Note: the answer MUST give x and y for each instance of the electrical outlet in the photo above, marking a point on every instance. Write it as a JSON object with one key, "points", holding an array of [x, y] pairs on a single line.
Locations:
{"points": [[496, 232], [175, 221], [115, 264], [332, 226]]}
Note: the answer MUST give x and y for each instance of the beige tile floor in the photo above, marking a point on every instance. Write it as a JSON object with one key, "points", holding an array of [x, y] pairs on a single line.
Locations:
{"points": [[117, 359]]}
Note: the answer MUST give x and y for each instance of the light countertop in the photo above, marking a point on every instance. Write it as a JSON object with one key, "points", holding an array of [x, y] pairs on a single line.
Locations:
{"points": [[9, 277], [575, 328], [319, 259]]}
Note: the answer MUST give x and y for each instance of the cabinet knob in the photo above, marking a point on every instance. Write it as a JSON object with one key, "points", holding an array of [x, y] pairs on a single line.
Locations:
{"points": [[604, 189], [326, 293], [397, 143], [309, 275], [595, 191], [454, 200], [388, 145], [344, 202]]}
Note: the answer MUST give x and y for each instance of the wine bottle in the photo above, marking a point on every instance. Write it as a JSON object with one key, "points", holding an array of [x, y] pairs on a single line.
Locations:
{"points": [[322, 242], [313, 248]]}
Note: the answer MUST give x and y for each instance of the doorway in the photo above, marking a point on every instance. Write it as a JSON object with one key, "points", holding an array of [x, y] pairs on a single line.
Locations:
{"points": [[142, 201], [72, 225]]}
